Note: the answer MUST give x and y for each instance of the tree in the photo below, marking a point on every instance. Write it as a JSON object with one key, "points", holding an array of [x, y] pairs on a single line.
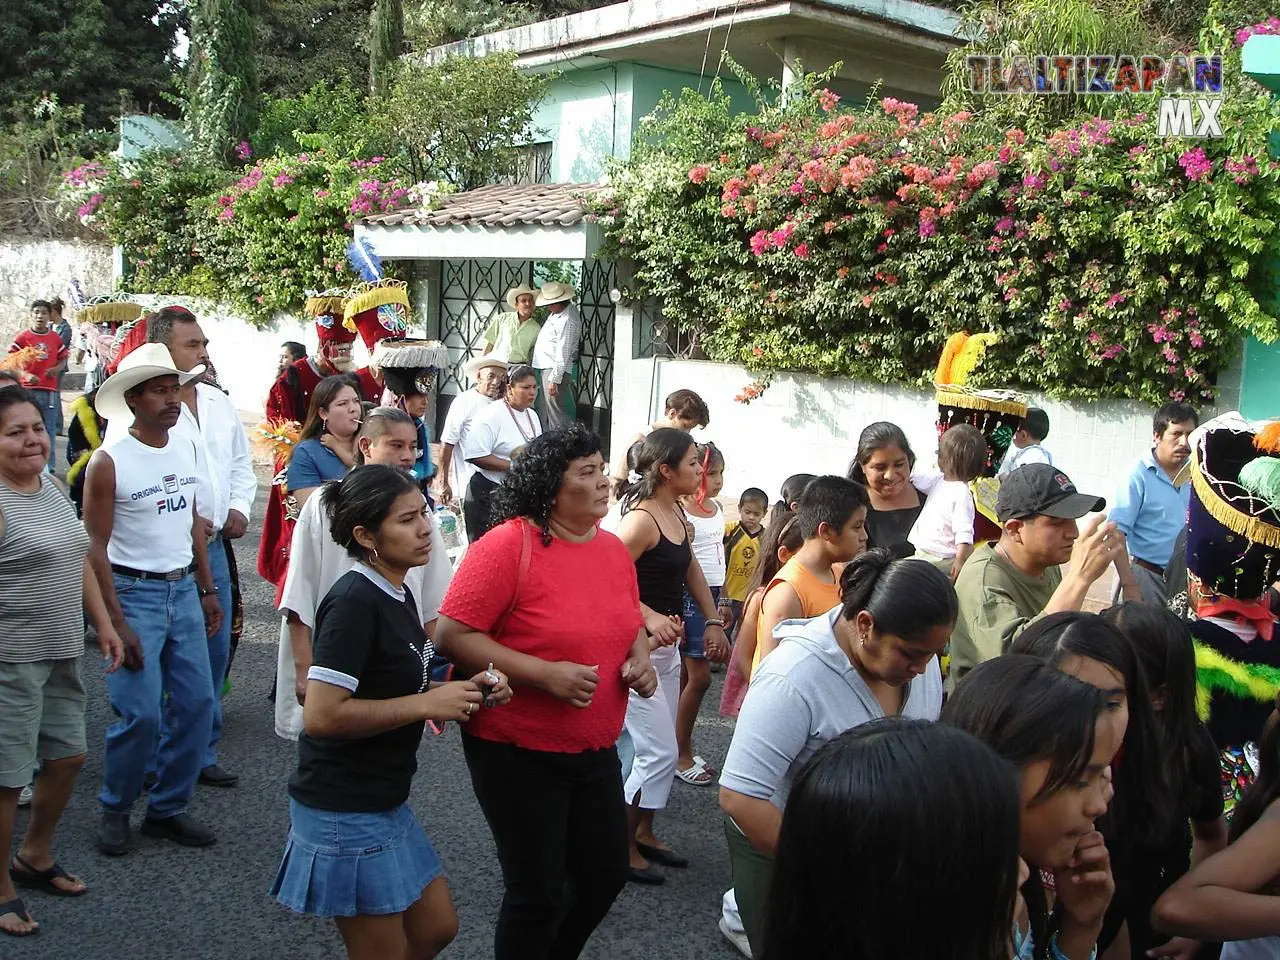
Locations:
{"points": [[462, 119], [105, 55], [305, 42], [222, 85], [386, 43]]}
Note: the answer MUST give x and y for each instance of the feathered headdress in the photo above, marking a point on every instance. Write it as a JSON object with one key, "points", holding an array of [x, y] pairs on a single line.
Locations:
{"points": [[277, 439], [19, 359]]}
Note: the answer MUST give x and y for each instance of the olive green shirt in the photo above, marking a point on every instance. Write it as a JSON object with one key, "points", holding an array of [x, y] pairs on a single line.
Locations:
{"points": [[997, 601], [512, 340]]}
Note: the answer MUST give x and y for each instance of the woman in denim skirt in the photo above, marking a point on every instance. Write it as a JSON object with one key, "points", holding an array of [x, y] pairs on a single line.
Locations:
{"points": [[355, 850]]}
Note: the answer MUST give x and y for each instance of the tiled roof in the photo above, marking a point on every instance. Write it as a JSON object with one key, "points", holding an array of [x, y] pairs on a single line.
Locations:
{"points": [[545, 204]]}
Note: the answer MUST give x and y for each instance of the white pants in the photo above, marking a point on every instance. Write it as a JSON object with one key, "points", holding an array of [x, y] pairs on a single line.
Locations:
{"points": [[651, 723], [288, 710], [729, 912]]}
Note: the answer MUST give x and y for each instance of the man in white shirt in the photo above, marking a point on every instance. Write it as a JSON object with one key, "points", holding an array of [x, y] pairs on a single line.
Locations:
{"points": [[455, 472], [1028, 443], [555, 356], [210, 419]]}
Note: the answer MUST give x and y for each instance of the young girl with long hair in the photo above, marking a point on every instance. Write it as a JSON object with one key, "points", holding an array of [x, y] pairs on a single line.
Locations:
{"points": [[1056, 730], [890, 821], [1141, 815], [707, 521], [1199, 830], [662, 468]]}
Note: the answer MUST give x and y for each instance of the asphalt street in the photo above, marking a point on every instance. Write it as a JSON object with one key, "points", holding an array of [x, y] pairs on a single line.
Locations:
{"points": [[165, 901]]}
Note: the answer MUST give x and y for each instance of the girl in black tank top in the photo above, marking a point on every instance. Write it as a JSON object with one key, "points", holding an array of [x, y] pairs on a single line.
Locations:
{"points": [[661, 468]]}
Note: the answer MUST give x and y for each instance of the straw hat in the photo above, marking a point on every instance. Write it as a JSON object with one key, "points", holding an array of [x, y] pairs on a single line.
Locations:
{"points": [[519, 291], [473, 366], [147, 362], [555, 293]]}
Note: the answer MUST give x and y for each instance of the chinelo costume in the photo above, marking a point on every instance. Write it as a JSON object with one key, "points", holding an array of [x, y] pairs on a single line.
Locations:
{"points": [[1233, 558], [996, 414]]}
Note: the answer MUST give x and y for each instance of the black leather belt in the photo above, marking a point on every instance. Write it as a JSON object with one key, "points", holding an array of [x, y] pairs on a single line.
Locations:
{"points": [[1148, 565], [148, 575]]}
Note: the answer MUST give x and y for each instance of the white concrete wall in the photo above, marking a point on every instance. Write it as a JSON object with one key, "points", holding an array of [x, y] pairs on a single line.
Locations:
{"points": [[805, 424], [246, 357], [40, 269]]}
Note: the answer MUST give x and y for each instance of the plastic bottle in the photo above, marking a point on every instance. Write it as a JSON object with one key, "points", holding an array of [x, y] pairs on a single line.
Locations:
{"points": [[447, 521]]}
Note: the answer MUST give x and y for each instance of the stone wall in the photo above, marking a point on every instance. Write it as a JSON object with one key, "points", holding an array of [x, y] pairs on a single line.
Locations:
{"points": [[39, 269]]}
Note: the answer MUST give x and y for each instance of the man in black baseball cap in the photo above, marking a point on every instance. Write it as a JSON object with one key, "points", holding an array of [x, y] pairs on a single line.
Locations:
{"points": [[1007, 584]]}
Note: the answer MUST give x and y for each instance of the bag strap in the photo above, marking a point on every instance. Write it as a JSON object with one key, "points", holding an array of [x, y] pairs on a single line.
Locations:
{"points": [[526, 554]]}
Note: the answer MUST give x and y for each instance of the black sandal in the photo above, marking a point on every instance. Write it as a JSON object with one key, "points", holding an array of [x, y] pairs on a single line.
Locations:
{"points": [[19, 910], [25, 875]]}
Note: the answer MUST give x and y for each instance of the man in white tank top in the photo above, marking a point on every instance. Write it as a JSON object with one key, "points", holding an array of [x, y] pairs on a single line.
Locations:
{"points": [[149, 553]]}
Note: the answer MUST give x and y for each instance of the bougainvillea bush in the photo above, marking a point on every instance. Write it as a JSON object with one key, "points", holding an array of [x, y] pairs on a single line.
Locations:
{"points": [[852, 242]]}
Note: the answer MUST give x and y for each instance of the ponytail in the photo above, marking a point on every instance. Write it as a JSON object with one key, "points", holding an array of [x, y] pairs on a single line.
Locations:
{"points": [[906, 598], [664, 447], [709, 454]]}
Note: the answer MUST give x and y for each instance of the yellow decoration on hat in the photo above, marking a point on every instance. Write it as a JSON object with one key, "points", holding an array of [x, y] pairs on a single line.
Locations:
{"points": [[370, 296], [955, 343], [971, 356]]}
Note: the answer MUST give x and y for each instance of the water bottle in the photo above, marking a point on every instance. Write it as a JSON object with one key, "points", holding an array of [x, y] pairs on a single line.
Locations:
{"points": [[447, 521]]}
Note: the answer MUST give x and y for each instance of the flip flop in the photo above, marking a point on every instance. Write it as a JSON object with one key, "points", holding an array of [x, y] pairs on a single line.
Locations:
{"points": [[19, 910], [25, 875], [668, 858], [697, 775], [699, 762]]}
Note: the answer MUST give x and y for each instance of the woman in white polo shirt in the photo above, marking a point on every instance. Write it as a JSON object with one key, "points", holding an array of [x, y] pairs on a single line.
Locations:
{"points": [[497, 434]]}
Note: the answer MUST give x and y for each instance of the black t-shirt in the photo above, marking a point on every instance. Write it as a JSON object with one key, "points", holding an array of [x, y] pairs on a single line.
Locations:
{"points": [[370, 642]]}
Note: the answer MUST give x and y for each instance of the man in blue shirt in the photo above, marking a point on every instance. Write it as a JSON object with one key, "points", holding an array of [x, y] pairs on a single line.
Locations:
{"points": [[1149, 508]]}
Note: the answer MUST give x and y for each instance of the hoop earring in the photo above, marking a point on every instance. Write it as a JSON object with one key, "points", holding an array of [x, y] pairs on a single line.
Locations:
{"points": [[373, 557]]}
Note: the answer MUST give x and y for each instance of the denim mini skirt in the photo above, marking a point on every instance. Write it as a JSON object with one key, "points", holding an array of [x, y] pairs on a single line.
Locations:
{"points": [[339, 864]]}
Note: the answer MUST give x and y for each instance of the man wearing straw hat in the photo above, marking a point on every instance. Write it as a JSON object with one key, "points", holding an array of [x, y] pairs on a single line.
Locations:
{"points": [[555, 355], [455, 470], [511, 336], [149, 553]]}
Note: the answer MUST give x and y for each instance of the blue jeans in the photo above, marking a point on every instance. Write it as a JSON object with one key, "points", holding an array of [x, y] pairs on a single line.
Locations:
{"points": [[219, 643], [50, 404], [695, 627], [167, 618]]}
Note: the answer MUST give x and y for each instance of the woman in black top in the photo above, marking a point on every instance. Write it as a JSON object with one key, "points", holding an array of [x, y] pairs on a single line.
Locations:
{"points": [[883, 464], [662, 467], [355, 850]]}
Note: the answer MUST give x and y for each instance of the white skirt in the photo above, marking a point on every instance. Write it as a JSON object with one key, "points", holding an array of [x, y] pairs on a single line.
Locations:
{"points": [[651, 724]]}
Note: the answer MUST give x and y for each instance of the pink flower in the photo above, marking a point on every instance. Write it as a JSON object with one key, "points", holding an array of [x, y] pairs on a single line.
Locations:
{"points": [[1195, 164], [1159, 333], [1115, 298], [759, 242], [699, 173], [282, 180], [980, 174], [243, 150], [227, 214], [1136, 152], [1004, 225], [1095, 337], [796, 188], [1196, 340], [928, 227], [321, 194], [828, 100], [1112, 352], [802, 250]]}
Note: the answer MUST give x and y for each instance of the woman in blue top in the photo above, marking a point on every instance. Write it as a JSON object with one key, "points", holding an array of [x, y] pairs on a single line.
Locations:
{"points": [[326, 447]]}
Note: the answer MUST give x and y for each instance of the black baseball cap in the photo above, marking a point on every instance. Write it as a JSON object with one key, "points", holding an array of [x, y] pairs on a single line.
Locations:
{"points": [[1039, 488]]}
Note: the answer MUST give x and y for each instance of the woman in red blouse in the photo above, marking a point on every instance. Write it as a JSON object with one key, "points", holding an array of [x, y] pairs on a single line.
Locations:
{"points": [[550, 600]]}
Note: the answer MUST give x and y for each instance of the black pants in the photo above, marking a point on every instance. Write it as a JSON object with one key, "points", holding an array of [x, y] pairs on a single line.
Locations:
{"points": [[477, 506], [560, 827]]}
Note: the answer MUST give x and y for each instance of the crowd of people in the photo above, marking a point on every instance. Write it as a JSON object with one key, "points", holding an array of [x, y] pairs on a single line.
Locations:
{"points": [[931, 716]]}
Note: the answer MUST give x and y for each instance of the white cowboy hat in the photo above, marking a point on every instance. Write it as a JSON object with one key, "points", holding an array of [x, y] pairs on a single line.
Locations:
{"points": [[147, 362], [519, 291], [555, 293], [473, 366]]}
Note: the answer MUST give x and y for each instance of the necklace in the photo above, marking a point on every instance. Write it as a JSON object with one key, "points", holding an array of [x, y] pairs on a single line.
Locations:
{"points": [[528, 417]]}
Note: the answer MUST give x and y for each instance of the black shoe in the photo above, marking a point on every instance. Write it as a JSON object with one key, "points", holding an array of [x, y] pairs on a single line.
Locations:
{"points": [[668, 858], [650, 876], [214, 776], [182, 829], [113, 834]]}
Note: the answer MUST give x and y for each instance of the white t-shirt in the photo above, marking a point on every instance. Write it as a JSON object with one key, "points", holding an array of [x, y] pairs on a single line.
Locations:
{"points": [[457, 424], [1020, 456], [154, 503], [708, 544], [498, 431], [946, 521], [316, 563]]}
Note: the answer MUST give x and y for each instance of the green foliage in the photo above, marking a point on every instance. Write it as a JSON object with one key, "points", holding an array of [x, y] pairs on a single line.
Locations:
{"points": [[305, 43], [386, 44], [461, 119], [222, 83], [853, 243], [102, 55], [331, 118]]}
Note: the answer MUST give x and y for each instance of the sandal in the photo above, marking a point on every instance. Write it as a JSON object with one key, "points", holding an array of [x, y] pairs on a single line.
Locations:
{"points": [[25, 875], [697, 775], [19, 910], [699, 762]]}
